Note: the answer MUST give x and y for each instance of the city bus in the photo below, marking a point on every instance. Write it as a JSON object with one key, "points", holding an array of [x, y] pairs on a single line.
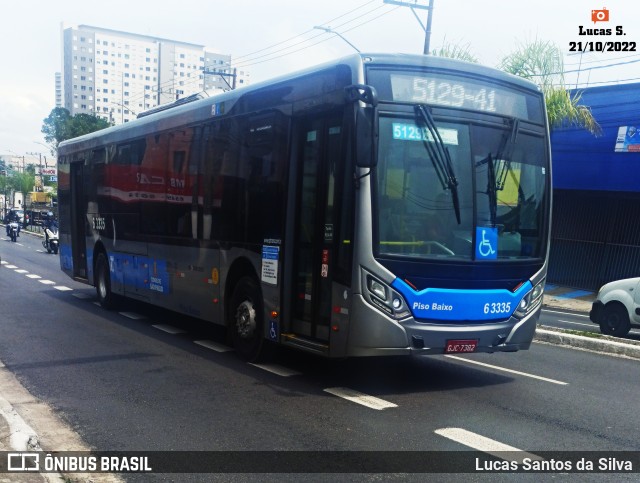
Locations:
{"points": [[376, 205]]}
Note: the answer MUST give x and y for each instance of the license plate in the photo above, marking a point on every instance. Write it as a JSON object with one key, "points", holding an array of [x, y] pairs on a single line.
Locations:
{"points": [[464, 345]]}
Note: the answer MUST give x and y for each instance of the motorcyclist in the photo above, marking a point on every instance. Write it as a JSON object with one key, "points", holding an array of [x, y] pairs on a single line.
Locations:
{"points": [[12, 218], [50, 226]]}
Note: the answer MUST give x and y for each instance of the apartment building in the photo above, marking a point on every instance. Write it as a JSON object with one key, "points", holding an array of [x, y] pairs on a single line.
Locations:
{"points": [[117, 75]]}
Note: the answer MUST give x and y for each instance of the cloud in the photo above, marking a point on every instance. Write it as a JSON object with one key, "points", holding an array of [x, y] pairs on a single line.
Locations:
{"points": [[21, 116]]}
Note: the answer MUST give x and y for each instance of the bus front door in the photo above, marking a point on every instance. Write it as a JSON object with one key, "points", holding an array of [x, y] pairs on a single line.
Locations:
{"points": [[318, 146], [78, 217]]}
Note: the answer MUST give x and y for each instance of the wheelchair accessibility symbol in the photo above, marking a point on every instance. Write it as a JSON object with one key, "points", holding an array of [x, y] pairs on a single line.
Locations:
{"points": [[486, 243], [273, 330]]}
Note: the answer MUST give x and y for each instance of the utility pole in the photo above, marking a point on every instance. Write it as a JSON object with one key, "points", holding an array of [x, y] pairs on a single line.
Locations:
{"points": [[412, 6]]}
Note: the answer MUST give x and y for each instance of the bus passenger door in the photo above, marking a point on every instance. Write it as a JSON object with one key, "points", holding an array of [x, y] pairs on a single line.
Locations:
{"points": [[78, 220], [318, 143]]}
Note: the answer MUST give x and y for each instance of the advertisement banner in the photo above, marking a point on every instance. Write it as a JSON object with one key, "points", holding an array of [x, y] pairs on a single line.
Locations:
{"points": [[628, 140]]}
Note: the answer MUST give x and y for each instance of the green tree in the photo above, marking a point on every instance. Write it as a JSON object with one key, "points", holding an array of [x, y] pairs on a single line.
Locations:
{"points": [[85, 124], [56, 127], [22, 183], [541, 62], [60, 125]]}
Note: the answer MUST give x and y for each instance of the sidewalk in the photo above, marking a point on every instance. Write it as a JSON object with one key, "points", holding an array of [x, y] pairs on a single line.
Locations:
{"points": [[566, 298]]}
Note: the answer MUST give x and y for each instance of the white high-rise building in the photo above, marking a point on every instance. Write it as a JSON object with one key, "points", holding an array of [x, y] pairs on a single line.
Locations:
{"points": [[117, 75]]}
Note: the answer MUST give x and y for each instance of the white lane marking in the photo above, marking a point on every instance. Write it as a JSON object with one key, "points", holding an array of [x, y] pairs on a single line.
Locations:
{"points": [[578, 323], [486, 445], [169, 329], [360, 398], [19, 244], [214, 346], [533, 376], [82, 296], [11, 266], [21, 271], [278, 370], [33, 275], [40, 251], [62, 288], [3, 262], [47, 282], [97, 303], [564, 313], [132, 315]]}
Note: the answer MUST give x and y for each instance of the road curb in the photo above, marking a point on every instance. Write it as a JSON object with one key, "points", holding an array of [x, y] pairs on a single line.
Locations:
{"points": [[612, 347]]}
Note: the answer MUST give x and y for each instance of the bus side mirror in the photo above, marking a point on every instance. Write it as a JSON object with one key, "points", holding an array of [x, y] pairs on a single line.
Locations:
{"points": [[361, 92], [365, 123]]}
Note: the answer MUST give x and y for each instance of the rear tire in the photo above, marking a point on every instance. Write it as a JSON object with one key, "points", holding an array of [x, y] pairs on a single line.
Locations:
{"points": [[103, 283], [615, 320], [245, 320]]}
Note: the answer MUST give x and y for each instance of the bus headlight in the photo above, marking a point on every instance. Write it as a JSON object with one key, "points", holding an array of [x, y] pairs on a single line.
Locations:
{"points": [[384, 298], [531, 301]]}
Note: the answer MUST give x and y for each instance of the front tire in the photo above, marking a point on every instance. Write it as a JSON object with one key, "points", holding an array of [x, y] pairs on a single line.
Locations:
{"points": [[103, 283], [615, 320], [245, 320]]}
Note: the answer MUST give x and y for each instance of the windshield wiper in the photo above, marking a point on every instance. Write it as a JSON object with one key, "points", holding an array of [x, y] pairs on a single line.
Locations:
{"points": [[503, 156], [496, 179], [440, 158]]}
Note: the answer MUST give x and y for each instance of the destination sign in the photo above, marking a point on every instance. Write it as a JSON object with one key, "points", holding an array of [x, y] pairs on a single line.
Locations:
{"points": [[463, 93]]}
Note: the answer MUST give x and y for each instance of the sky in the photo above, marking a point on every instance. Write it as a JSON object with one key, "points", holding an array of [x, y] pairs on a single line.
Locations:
{"points": [[273, 37]]}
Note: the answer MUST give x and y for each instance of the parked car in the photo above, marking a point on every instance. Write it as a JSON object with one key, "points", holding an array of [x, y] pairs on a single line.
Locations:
{"points": [[617, 307]]}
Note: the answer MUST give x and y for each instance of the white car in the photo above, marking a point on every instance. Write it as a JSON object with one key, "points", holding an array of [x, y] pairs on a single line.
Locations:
{"points": [[617, 307]]}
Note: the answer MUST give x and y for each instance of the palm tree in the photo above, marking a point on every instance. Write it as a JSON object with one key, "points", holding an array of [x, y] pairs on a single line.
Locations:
{"points": [[455, 51], [541, 62]]}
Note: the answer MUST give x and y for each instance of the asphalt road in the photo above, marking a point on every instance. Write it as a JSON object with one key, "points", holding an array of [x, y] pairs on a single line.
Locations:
{"points": [[569, 320], [147, 380]]}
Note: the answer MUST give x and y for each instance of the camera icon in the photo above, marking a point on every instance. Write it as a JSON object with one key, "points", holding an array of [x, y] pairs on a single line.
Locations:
{"points": [[23, 462], [600, 15]]}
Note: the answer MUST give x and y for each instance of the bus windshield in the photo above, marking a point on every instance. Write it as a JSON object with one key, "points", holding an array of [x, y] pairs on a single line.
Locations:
{"points": [[502, 184]]}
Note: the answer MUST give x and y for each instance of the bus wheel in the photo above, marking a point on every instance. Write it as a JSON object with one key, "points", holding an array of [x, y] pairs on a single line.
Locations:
{"points": [[615, 320], [245, 319], [103, 283]]}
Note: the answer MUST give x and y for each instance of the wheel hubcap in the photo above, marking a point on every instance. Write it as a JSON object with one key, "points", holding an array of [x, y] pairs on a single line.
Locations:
{"points": [[102, 286], [246, 319]]}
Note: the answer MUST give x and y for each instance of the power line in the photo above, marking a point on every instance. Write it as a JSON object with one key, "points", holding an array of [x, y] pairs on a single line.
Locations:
{"points": [[602, 60], [250, 61], [603, 66], [303, 33], [314, 44]]}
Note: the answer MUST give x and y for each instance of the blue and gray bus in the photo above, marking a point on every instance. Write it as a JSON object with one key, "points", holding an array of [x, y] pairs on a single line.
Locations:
{"points": [[376, 205]]}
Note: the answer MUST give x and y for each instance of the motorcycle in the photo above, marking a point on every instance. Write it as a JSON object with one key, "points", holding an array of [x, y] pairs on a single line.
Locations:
{"points": [[50, 242], [13, 230]]}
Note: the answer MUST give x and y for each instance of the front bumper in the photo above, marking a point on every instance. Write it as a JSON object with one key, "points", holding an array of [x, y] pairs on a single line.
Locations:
{"points": [[373, 334], [597, 309]]}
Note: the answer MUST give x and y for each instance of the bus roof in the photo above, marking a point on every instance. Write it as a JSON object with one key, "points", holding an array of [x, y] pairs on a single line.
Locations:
{"points": [[202, 109]]}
